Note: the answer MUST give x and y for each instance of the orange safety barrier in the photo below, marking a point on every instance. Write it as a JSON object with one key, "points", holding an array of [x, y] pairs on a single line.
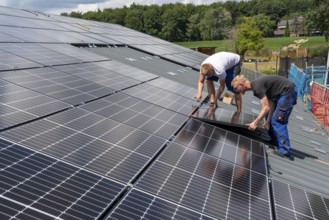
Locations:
{"points": [[320, 94], [320, 104]]}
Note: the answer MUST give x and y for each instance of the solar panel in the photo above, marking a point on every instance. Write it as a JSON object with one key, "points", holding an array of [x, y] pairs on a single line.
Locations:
{"points": [[15, 12], [294, 203], [163, 98], [19, 105], [58, 85], [7, 38], [138, 114], [230, 183], [74, 52], [10, 62], [33, 185], [139, 205], [38, 54], [126, 70], [224, 116], [103, 39], [29, 34], [99, 75], [175, 87], [90, 141]]}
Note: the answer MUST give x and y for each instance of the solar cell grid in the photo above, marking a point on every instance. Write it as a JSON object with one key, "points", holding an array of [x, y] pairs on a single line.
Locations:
{"points": [[38, 54], [11, 62], [102, 38], [119, 151], [207, 184], [33, 185], [75, 52], [162, 98], [59, 85], [99, 75], [29, 35], [138, 114], [138, 205], [126, 70], [223, 144], [294, 203], [172, 86], [19, 105]]}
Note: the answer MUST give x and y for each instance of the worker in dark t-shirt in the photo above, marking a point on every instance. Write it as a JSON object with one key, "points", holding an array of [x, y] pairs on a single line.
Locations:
{"points": [[277, 95]]}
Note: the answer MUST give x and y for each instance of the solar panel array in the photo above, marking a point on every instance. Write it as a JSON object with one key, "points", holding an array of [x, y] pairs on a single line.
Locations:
{"points": [[295, 203], [83, 136]]}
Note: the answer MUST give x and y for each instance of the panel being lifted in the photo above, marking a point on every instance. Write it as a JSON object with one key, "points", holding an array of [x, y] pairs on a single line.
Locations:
{"points": [[223, 116]]}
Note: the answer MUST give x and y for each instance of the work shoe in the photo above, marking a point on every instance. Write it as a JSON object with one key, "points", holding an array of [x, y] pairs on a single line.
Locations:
{"points": [[282, 153]]}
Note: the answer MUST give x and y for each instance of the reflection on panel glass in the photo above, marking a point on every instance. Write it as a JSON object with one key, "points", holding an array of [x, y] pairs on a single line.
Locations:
{"points": [[225, 116], [126, 70], [216, 184], [295, 203], [175, 87], [223, 144]]}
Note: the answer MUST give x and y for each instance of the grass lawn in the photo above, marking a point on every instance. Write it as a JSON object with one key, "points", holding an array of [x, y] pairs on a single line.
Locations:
{"points": [[269, 43]]}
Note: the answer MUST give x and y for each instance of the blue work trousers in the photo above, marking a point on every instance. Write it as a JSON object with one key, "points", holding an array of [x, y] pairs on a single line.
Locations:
{"points": [[278, 131]]}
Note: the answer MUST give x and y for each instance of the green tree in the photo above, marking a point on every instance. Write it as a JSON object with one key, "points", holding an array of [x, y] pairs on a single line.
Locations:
{"points": [[193, 32], [265, 24], [115, 16], [152, 20], [135, 17], [174, 23], [216, 24], [248, 37], [317, 18]]}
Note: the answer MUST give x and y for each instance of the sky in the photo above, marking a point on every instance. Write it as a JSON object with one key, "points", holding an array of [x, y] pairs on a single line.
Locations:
{"points": [[60, 6]]}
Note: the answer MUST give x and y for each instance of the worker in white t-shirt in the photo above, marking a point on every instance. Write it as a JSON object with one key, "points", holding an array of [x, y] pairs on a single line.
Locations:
{"points": [[219, 67]]}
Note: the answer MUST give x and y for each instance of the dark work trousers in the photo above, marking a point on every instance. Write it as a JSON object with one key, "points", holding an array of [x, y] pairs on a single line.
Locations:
{"points": [[278, 131]]}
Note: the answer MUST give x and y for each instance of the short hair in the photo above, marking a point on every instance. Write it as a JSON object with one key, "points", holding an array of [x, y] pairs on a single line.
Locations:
{"points": [[205, 68], [238, 79]]}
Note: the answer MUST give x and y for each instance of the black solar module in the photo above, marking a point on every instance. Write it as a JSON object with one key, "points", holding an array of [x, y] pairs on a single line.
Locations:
{"points": [[19, 105], [12, 62], [223, 116], [127, 70], [58, 85], [91, 141], [294, 203], [138, 114], [228, 180], [163, 98], [36, 186], [74, 52], [138, 205], [174, 87], [38, 54]]}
